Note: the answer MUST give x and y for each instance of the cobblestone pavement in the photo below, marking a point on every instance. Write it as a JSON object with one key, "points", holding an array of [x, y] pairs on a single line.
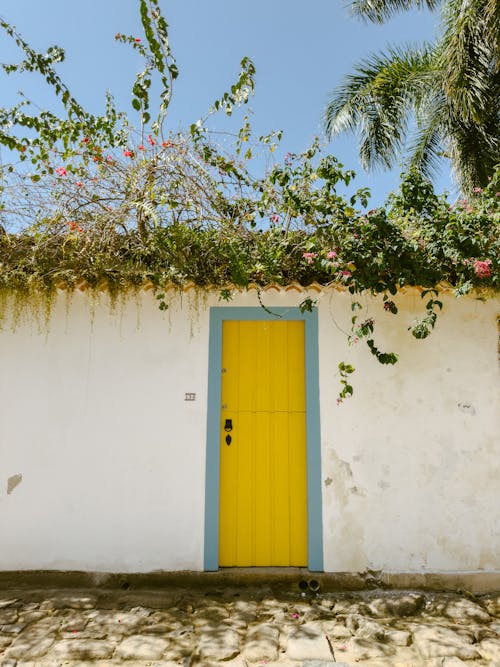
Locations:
{"points": [[244, 627]]}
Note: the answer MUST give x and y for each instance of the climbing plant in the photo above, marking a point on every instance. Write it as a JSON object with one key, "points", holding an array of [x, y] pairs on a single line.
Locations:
{"points": [[116, 204]]}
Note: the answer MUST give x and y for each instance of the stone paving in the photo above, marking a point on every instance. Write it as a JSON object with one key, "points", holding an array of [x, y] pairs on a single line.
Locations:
{"points": [[242, 627]]}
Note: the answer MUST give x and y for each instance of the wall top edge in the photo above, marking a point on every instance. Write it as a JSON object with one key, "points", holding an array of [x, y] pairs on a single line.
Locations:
{"points": [[314, 287]]}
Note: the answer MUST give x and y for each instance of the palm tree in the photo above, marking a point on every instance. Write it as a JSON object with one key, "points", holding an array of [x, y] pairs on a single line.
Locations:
{"points": [[450, 89]]}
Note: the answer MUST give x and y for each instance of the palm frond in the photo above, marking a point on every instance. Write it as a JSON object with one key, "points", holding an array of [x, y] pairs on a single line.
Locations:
{"points": [[474, 150], [377, 101], [469, 57], [379, 11], [425, 150], [452, 89]]}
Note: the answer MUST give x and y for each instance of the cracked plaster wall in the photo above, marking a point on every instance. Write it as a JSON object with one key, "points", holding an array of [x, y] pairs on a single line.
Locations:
{"points": [[411, 464]]}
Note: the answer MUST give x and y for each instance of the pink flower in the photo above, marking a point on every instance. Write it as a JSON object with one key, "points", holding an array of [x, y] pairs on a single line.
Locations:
{"points": [[151, 141], [295, 615], [85, 140], [61, 171], [478, 190], [79, 184], [331, 255], [346, 274], [109, 158], [141, 147], [275, 218], [482, 269], [309, 256], [137, 39], [128, 153]]}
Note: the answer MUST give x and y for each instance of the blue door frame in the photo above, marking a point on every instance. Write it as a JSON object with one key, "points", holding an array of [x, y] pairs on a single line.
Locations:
{"points": [[314, 500]]}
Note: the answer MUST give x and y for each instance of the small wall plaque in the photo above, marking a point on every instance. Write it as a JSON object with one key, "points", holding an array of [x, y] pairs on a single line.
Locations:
{"points": [[189, 396]]}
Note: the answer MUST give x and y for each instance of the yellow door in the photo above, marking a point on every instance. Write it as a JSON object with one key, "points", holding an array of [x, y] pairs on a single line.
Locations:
{"points": [[263, 487]]}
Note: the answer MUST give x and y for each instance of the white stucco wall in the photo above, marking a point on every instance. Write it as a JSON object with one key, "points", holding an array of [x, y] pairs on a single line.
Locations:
{"points": [[411, 465], [112, 457]]}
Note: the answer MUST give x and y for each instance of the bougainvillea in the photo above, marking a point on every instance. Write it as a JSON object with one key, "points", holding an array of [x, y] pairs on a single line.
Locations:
{"points": [[90, 198]]}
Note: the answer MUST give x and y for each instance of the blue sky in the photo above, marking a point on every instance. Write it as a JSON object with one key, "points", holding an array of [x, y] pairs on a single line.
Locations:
{"points": [[301, 51]]}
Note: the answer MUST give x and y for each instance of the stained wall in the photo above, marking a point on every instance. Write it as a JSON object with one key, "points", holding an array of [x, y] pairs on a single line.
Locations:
{"points": [[103, 460]]}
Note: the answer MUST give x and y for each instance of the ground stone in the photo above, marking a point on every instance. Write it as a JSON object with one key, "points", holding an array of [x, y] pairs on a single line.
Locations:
{"points": [[227, 618], [28, 647], [490, 649], [31, 616], [82, 649], [7, 603], [117, 623], [401, 605], [8, 616], [358, 649], [306, 642], [156, 629], [6, 641], [336, 630], [74, 624], [141, 647], [222, 644], [88, 633], [370, 630], [262, 643], [493, 605], [398, 637], [465, 611], [141, 611], [245, 611], [45, 626], [70, 602], [440, 642], [211, 615], [12, 628]]}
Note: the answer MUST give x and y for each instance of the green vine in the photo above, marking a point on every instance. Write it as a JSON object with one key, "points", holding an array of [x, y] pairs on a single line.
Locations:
{"points": [[422, 328]]}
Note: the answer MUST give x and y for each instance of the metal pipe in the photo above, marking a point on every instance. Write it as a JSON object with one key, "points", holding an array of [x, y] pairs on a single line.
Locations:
{"points": [[313, 585]]}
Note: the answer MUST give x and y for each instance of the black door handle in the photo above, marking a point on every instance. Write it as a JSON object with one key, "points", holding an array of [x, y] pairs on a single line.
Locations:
{"points": [[228, 426], [228, 439]]}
